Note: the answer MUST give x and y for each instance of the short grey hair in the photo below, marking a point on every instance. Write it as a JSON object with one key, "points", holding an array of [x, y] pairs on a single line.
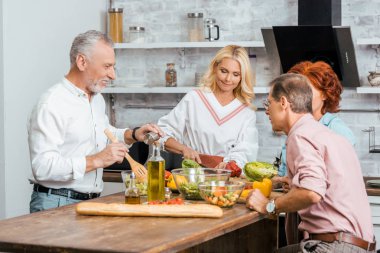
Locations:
{"points": [[84, 42], [296, 88]]}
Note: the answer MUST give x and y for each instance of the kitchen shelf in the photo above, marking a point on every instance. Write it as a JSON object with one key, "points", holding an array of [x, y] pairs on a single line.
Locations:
{"points": [[368, 41], [178, 90], [368, 90], [216, 44]]}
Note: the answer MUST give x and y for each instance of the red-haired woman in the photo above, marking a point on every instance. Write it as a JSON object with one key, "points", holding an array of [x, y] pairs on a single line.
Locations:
{"points": [[327, 91], [326, 97]]}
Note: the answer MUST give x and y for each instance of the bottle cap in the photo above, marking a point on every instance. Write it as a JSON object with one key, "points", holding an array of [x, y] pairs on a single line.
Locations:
{"points": [[150, 138], [195, 15], [115, 10]]}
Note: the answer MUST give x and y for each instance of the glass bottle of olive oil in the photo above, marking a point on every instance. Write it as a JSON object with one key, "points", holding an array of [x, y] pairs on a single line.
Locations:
{"points": [[132, 193], [156, 175]]}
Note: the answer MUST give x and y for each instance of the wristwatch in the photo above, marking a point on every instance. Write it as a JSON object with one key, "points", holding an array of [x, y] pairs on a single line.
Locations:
{"points": [[271, 207]]}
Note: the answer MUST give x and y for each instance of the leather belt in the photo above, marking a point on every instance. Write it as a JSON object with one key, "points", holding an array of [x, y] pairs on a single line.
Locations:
{"points": [[65, 192], [344, 237]]}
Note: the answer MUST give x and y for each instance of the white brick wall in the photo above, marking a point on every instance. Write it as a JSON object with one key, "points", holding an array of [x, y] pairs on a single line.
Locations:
{"points": [[239, 20]]}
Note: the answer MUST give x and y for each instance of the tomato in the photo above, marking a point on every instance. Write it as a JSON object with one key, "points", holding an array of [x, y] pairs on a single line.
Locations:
{"points": [[175, 201], [167, 174], [234, 168]]}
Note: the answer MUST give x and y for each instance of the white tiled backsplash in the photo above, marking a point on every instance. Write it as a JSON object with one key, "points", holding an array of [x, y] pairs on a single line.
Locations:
{"points": [[239, 20]]}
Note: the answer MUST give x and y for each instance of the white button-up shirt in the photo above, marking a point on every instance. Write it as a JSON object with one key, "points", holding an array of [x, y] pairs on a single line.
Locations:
{"points": [[65, 127]]}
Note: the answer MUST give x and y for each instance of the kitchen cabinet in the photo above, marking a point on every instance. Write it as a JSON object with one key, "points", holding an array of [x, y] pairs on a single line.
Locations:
{"points": [[375, 210], [112, 187]]}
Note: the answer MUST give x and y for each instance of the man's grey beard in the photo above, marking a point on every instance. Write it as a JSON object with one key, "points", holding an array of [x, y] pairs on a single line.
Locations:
{"points": [[95, 88]]}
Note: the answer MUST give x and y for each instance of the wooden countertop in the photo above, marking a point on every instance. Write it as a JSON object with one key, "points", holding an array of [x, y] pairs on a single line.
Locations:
{"points": [[62, 230]]}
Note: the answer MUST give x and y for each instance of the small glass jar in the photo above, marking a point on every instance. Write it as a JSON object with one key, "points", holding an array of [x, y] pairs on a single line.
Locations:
{"points": [[115, 24], [168, 193], [170, 75], [195, 26], [136, 34]]}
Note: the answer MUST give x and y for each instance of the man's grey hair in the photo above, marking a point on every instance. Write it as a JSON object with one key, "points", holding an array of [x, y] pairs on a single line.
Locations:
{"points": [[296, 88], [84, 43]]}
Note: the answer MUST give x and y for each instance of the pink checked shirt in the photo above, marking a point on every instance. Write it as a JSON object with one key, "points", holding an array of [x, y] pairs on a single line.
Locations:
{"points": [[326, 163]]}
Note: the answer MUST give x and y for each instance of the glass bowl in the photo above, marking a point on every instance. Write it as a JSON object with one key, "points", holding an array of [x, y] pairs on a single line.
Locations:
{"points": [[126, 177], [187, 180], [221, 193]]}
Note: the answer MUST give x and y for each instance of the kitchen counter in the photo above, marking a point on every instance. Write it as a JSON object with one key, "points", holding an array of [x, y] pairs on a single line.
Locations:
{"points": [[62, 230], [115, 177], [372, 191]]}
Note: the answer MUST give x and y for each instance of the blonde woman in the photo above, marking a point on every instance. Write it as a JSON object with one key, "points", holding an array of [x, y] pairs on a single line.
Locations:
{"points": [[217, 119]]}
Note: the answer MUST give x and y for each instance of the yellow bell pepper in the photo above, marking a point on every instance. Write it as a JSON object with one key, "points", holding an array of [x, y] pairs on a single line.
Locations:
{"points": [[171, 184], [265, 186], [245, 193]]}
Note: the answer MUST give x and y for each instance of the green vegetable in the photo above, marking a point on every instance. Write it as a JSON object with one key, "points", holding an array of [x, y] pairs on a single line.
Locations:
{"points": [[190, 190], [257, 171], [143, 188], [187, 163]]}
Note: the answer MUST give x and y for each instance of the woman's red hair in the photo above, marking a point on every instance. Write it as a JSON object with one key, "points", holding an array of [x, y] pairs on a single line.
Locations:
{"points": [[324, 79]]}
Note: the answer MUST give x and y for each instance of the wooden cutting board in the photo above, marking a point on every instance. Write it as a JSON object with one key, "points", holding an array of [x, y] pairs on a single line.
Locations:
{"points": [[210, 161], [116, 209]]}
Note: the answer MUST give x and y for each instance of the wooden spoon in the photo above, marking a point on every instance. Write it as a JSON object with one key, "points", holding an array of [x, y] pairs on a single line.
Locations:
{"points": [[137, 168]]}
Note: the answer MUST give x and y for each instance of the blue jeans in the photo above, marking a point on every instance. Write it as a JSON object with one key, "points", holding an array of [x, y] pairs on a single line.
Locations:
{"points": [[42, 201]]}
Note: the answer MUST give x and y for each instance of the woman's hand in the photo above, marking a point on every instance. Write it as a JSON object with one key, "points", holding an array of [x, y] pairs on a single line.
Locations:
{"points": [[284, 181], [221, 165], [189, 153]]}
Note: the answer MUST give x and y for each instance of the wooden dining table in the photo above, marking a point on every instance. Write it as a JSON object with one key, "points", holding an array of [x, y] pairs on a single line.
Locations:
{"points": [[63, 230]]}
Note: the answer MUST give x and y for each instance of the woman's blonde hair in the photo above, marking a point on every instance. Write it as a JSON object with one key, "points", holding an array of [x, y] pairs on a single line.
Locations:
{"points": [[244, 91]]}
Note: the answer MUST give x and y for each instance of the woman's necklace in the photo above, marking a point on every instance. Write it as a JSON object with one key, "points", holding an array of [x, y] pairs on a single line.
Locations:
{"points": [[223, 98]]}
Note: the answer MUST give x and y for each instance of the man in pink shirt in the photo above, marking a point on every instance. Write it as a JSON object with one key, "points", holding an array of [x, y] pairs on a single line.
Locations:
{"points": [[326, 183]]}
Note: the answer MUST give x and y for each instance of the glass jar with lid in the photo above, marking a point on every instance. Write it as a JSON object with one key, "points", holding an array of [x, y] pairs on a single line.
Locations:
{"points": [[115, 24], [195, 26], [136, 34]]}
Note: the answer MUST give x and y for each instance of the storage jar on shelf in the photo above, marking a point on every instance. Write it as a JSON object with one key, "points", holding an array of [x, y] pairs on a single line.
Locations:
{"points": [[195, 26], [136, 34], [115, 24]]}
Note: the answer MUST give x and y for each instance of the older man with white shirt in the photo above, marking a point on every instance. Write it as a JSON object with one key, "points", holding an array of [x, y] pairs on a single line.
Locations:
{"points": [[68, 147]]}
